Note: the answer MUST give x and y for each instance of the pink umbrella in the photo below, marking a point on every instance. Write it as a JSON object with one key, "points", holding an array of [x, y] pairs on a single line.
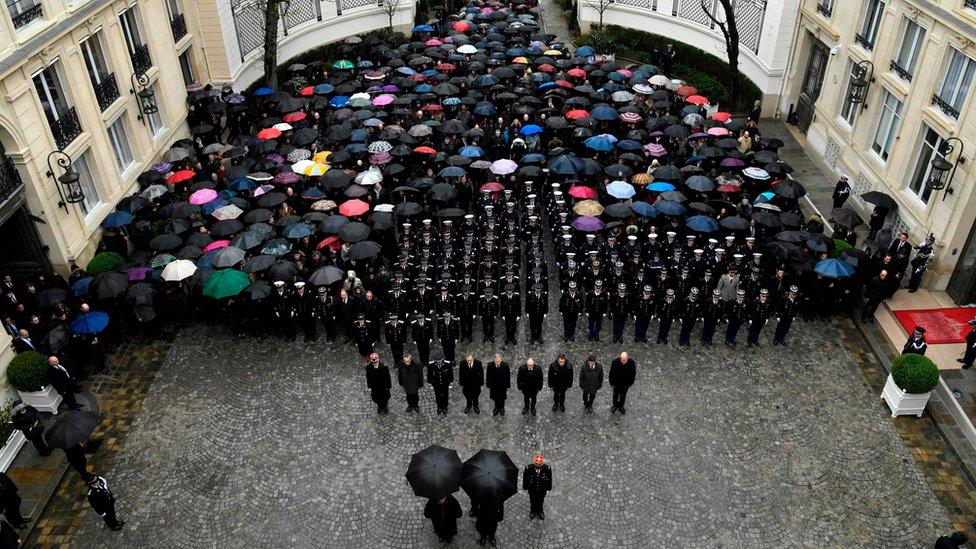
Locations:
{"points": [[216, 245], [203, 196], [380, 158], [382, 100], [138, 273], [287, 178], [718, 131], [261, 190], [487, 11], [579, 191], [655, 149], [433, 42]]}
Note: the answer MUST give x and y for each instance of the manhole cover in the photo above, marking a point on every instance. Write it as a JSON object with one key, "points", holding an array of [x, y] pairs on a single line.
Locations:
{"points": [[957, 393]]}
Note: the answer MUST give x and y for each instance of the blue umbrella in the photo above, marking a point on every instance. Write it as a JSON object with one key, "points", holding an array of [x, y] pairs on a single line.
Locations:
{"points": [[602, 142], [702, 224], [312, 193], [242, 184], [629, 145], [423, 28], [209, 207], [80, 287], [451, 101], [452, 171], [89, 323], [584, 51], [339, 101], [603, 112], [472, 152], [115, 220], [423, 88], [643, 209], [485, 81], [323, 89], [297, 230], [206, 260], [669, 207], [484, 109], [621, 189], [530, 129], [834, 268], [566, 164], [660, 187], [263, 91], [764, 197], [406, 71]]}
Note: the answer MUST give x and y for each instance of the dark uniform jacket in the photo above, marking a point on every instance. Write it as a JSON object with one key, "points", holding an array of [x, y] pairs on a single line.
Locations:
{"points": [[537, 479], [571, 305], [440, 376], [100, 497]]}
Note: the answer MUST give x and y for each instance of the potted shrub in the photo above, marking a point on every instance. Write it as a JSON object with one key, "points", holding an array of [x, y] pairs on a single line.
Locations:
{"points": [[103, 263], [13, 439], [909, 384], [27, 373]]}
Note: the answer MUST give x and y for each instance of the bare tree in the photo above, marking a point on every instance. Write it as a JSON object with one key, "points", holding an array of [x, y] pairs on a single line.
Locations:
{"points": [[272, 15], [389, 7], [600, 6], [730, 31]]}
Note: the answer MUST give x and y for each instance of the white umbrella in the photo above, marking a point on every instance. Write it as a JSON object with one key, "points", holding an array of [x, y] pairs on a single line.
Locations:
{"points": [[383, 208], [229, 211], [380, 146], [622, 96], [179, 270], [282, 126], [153, 192], [660, 80], [467, 49], [369, 177]]}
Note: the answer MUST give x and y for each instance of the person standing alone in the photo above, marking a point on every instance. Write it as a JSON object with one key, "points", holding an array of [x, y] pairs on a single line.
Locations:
{"points": [[537, 481], [623, 373]]}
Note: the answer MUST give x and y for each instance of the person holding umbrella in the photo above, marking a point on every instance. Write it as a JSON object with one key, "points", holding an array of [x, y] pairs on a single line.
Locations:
{"points": [[71, 432], [435, 473], [489, 478], [443, 514], [537, 481], [378, 383], [102, 501]]}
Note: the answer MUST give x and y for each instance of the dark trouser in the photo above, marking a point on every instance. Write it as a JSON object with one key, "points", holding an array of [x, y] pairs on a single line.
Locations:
{"points": [[308, 328], [535, 327], [423, 351], [595, 325], [78, 462], [413, 400], [536, 501], [471, 396], [754, 330], [838, 203], [488, 327], [286, 328], [70, 400], [559, 397], [708, 332], [499, 401], [588, 399], [511, 326], [330, 329], [663, 330], [528, 400], [467, 327], [449, 349], [12, 511], [396, 350], [109, 517], [569, 326], [870, 306], [684, 337], [782, 328], [440, 396], [618, 329], [620, 396], [732, 331], [36, 436], [380, 397], [640, 328], [915, 280]]}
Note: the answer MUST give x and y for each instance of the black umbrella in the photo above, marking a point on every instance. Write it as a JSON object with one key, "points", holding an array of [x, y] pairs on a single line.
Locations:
{"points": [[789, 189], [165, 242], [332, 224], [354, 232], [247, 240], [846, 218], [271, 200], [435, 472], [283, 270], [258, 263], [108, 285], [258, 290], [71, 428], [56, 338], [51, 297], [490, 475], [226, 227], [324, 276], [879, 198], [766, 218], [793, 237], [140, 293], [257, 215], [364, 250], [790, 219], [734, 223], [335, 179], [619, 210]]}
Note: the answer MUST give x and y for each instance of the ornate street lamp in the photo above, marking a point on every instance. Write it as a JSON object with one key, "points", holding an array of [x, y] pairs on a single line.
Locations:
{"points": [[70, 180], [145, 97], [942, 170], [861, 77]]}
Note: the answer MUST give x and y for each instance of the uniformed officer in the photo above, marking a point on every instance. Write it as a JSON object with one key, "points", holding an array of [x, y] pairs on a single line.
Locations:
{"points": [[690, 314], [325, 310], [536, 307], [712, 314], [619, 308], [643, 313], [510, 306], [758, 316], [467, 308], [666, 313], [363, 336], [498, 378], [488, 309], [303, 310], [448, 331], [440, 375], [570, 305], [916, 344], [596, 308], [471, 376], [102, 501], [735, 315], [422, 331], [787, 312], [537, 481], [281, 310], [378, 383], [396, 334]]}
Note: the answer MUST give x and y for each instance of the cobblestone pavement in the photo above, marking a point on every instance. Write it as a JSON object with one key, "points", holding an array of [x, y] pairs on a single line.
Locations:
{"points": [[273, 444]]}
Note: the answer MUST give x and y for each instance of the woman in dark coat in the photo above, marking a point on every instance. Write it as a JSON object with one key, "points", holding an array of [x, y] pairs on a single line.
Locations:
{"points": [[443, 514], [489, 515]]}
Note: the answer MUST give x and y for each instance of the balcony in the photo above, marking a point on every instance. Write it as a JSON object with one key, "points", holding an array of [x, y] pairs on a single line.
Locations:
{"points": [[945, 106], [10, 181], [178, 24], [864, 42], [27, 16], [66, 128], [900, 71], [107, 91], [141, 61], [827, 11], [970, 4]]}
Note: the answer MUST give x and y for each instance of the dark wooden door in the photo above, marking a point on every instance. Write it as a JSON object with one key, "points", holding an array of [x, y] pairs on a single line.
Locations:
{"points": [[812, 84]]}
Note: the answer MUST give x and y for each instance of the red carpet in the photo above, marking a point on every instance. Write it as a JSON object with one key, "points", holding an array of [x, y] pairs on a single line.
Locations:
{"points": [[941, 325]]}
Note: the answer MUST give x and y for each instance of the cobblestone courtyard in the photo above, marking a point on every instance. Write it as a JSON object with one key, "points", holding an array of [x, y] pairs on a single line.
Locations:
{"points": [[277, 444]]}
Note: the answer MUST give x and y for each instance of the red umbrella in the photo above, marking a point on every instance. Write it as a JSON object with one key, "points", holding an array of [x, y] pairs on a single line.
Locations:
{"points": [[576, 73], [331, 241], [697, 100], [547, 68], [728, 188], [445, 67], [462, 26], [294, 117], [492, 186], [576, 114], [564, 84], [721, 116], [307, 91], [432, 107], [352, 208], [269, 133], [181, 176], [686, 90], [579, 191], [424, 150]]}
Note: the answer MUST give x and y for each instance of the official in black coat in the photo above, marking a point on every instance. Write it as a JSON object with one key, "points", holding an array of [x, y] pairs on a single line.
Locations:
{"points": [[27, 420], [440, 375], [378, 383], [10, 500], [443, 514], [410, 376], [537, 481], [560, 380], [77, 459], [102, 501], [970, 355], [490, 513], [623, 373], [529, 381], [8, 536], [498, 378], [63, 382], [590, 381], [471, 376]]}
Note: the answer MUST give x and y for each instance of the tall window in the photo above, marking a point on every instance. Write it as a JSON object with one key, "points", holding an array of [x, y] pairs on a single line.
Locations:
{"points": [[870, 24], [120, 143], [103, 81], [186, 67], [177, 21], [884, 136], [138, 51], [61, 117], [825, 8], [955, 85], [848, 110], [911, 46], [24, 12], [155, 119], [87, 182], [932, 145]]}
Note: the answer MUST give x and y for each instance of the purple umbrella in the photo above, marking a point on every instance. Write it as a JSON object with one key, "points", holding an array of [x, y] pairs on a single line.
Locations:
{"points": [[697, 135], [390, 88], [587, 223], [137, 273], [287, 178], [162, 167], [380, 158], [732, 163], [655, 149], [276, 158]]}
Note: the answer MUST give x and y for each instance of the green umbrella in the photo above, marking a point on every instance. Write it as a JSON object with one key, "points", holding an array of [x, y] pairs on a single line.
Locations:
{"points": [[225, 283], [343, 64], [839, 246]]}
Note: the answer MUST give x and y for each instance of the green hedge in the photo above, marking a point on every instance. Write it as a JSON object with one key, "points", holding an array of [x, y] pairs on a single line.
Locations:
{"points": [[707, 72], [28, 371], [6, 427], [915, 374], [103, 263]]}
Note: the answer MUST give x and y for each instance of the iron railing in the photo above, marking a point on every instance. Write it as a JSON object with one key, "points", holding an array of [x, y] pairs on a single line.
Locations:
{"points": [[66, 128], [824, 9], [299, 12], [864, 42], [10, 181], [971, 4], [141, 61], [106, 91], [342, 5], [945, 106], [26, 16], [178, 24], [900, 71]]}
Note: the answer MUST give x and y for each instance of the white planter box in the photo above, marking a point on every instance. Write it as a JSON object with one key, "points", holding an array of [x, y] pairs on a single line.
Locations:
{"points": [[10, 450], [45, 400], [902, 403]]}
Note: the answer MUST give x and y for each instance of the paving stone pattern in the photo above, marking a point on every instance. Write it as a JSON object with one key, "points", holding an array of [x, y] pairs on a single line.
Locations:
{"points": [[274, 444]]}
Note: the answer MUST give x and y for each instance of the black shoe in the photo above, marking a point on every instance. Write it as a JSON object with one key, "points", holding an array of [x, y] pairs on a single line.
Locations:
{"points": [[623, 410], [502, 411], [960, 361], [481, 540], [533, 410], [494, 412], [525, 410], [562, 407], [467, 409], [118, 525], [555, 407], [613, 410], [491, 541], [542, 515], [476, 409]]}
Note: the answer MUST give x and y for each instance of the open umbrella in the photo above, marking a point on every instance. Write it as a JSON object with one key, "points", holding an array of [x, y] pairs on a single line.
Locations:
{"points": [[325, 276], [620, 189], [179, 270], [107, 285], [435, 472], [702, 224], [71, 428], [56, 338], [225, 283], [490, 475], [227, 256], [846, 218], [879, 198], [89, 323], [834, 268], [364, 250], [354, 232]]}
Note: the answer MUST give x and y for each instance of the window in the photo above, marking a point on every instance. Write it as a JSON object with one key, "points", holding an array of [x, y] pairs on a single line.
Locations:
{"points": [[888, 125], [24, 12], [120, 144], [911, 46], [61, 117], [870, 25], [103, 81], [177, 21], [848, 110], [155, 119], [87, 182], [955, 85], [932, 145], [825, 8], [138, 50], [186, 67]]}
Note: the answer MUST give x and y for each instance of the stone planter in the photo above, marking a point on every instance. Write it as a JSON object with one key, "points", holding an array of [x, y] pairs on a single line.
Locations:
{"points": [[45, 400], [10, 450], [902, 403]]}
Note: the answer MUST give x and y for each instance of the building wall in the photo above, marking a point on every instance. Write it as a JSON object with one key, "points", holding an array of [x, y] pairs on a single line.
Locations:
{"points": [[765, 67], [846, 148]]}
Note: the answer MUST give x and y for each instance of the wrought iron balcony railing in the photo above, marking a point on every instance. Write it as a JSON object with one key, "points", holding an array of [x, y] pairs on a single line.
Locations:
{"points": [[825, 10], [10, 181], [864, 42], [66, 128], [900, 71], [107, 91], [178, 24], [27, 16], [141, 61], [944, 106]]}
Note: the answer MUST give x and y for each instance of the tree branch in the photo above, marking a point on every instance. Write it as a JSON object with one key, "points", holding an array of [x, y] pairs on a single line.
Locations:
{"points": [[721, 25]]}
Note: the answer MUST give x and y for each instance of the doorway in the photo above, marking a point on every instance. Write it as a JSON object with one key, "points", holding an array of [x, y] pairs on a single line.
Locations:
{"points": [[813, 79], [962, 283]]}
